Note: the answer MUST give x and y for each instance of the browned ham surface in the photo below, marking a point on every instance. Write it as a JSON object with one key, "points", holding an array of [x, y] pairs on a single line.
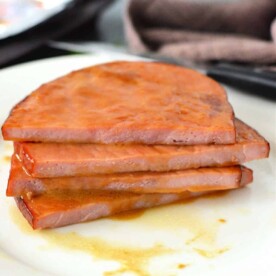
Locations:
{"points": [[123, 136], [193, 180], [59, 160], [122, 102], [55, 210]]}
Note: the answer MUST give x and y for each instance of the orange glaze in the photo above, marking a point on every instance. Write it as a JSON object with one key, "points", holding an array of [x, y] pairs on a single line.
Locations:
{"points": [[122, 102], [59, 209], [129, 215]]}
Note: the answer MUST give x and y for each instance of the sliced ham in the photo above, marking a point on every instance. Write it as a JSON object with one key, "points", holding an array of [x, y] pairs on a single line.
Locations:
{"points": [[122, 136], [122, 102], [193, 180], [55, 210], [59, 160]]}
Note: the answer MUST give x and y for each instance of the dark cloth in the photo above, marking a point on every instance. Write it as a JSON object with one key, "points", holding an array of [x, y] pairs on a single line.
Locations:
{"points": [[241, 31]]}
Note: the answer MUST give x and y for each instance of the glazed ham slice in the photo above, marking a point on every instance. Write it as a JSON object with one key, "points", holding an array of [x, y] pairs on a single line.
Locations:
{"points": [[122, 102], [193, 180], [55, 210], [59, 160]]}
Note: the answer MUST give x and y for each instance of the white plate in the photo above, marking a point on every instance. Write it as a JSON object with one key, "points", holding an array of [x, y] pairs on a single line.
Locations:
{"points": [[188, 239]]}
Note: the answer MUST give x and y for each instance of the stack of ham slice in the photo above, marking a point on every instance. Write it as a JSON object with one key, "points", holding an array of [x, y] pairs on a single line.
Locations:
{"points": [[121, 136]]}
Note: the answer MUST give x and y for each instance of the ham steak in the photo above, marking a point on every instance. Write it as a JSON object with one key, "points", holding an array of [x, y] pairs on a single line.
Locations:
{"points": [[122, 136], [55, 210], [59, 160], [193, 180], [123, 102]]}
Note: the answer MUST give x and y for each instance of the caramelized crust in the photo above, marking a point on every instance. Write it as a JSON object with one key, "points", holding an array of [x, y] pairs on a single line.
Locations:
{"points": [[123, 102]]}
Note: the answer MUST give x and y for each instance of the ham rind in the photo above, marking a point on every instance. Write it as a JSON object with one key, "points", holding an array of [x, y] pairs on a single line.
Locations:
{"points": [[193, 180], [123, 102], [55, 210], [59, 160]]}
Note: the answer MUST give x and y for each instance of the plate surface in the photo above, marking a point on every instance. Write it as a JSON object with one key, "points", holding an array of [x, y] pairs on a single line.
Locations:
{"points": [[233, 232]]}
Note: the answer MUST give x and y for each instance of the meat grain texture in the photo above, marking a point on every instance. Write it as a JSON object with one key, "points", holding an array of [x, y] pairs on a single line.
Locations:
{"points": [[46, 160], [193, 180]]}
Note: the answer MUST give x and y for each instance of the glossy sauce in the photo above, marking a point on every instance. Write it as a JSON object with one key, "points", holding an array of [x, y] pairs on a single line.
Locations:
{"points": [[181, 266], [201, 237], [131, 259], [130, 215], [211, 253], [7, 159]]}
